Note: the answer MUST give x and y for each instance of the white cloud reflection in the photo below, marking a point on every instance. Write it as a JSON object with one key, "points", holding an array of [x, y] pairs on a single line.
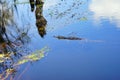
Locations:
{"points": [[49, 3], [106, 9]]}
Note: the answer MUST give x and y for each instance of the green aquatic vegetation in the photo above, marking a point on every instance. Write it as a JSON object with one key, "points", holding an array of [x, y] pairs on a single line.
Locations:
{"points": [[7, 73], [22, 61], [11, 71], [37, 55], [83, 19], [73, 11]]}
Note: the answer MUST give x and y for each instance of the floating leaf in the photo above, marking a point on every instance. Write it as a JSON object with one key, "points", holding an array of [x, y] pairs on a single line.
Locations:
{"points": [[83, 19]]}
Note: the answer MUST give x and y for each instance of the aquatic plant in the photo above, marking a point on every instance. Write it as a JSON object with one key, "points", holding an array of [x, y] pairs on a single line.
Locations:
{"points": [[35, 56], [9, 63]]}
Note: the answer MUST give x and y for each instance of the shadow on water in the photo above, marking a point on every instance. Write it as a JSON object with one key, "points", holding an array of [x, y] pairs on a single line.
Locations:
{"points": [[13, 51]]}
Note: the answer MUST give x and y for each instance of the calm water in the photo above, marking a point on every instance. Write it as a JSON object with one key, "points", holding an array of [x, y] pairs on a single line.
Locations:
{"points": [[96, 58]]}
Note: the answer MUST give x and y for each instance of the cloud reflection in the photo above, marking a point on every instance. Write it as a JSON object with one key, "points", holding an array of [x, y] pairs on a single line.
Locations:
{"points": [[106, 9], [49, 3]]}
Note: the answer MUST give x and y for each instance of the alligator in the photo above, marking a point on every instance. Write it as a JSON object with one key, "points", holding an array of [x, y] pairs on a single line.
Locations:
{"points": [[68, 38], [75, 38]]}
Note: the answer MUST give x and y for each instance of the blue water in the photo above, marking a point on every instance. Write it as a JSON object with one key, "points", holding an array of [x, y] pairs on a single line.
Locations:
{"points": [[79, 60], [97, 58]]}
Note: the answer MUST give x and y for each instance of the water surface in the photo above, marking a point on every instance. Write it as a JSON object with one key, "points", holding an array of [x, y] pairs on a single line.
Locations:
{"points": [[95, 58]]}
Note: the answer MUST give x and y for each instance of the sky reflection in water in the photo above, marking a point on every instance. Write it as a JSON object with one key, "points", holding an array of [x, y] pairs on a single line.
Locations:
{"points": [[80, 60], [106, 9], [76, 60]]}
